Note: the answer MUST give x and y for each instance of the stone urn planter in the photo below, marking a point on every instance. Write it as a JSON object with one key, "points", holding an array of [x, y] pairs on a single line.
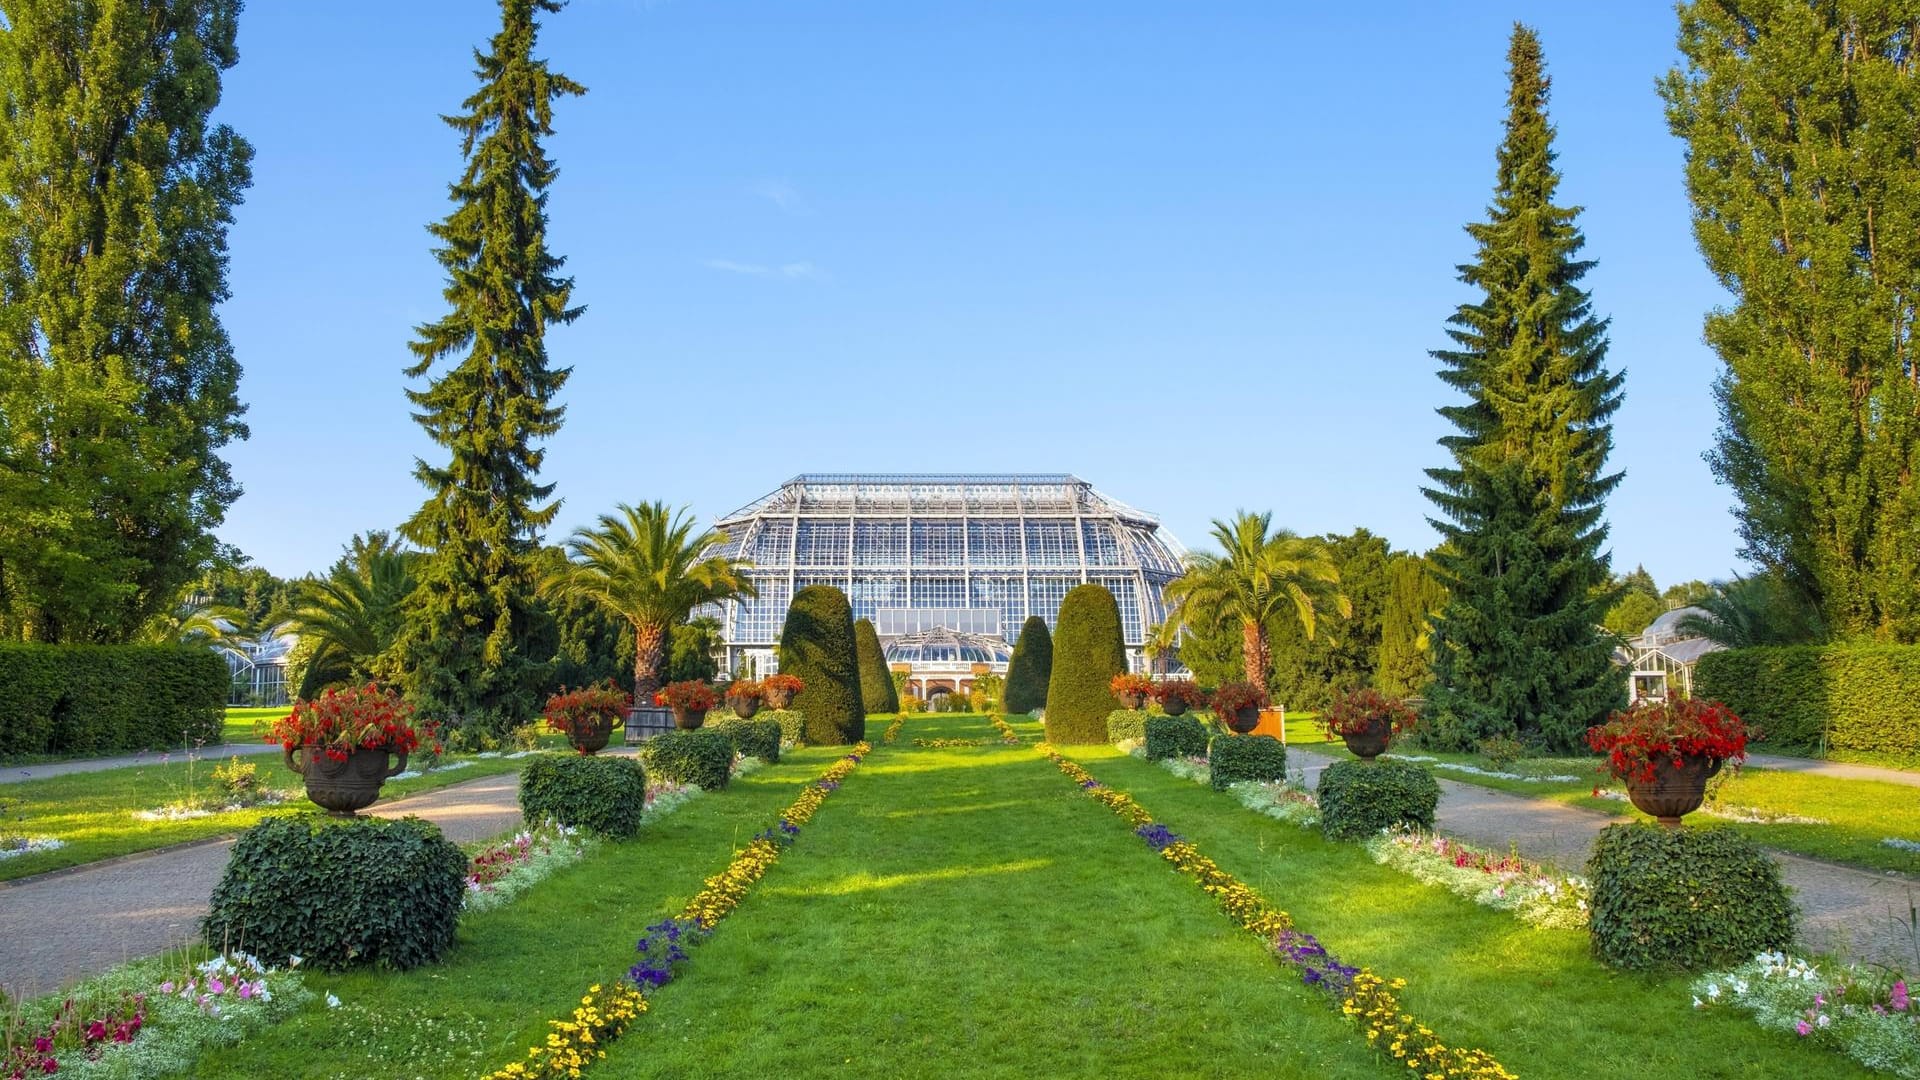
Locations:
{"points": [[778, 697], [1370, 742], [686, 717], [1242, 721], [745, 708], [1132, 700], [342, 788], [591, 737], [1175, 705], [1675, 790]]}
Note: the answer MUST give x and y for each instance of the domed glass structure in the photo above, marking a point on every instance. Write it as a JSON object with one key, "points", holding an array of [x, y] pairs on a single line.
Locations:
{"points": [[969, 553], [943, 646]]}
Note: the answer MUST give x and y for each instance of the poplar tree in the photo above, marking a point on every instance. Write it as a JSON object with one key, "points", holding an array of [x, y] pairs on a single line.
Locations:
{"points": [[493, 395], [1515, 646], [1802, 129], [118, 384]]}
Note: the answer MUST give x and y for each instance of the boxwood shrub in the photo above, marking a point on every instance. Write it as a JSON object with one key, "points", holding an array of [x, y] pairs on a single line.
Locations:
{"points": [[703, 758], [605, 795], [1125, 724], [1684, 899], [817, 644], [877, 692], [1087, 653], [755, 738], [1358, 799], [1233, 758], [1175, 736], [102, 699], [340, 894], [1030, 667], [1858, 698], [792, 724]]}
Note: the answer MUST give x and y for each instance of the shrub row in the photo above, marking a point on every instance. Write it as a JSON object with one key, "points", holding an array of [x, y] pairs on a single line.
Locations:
{"points": [[1126, 724], [96, 699], [1175, 737], [703, 758], [1860, 698], [1233, 758], [605, 795], [1684, 899], [756, 738]]}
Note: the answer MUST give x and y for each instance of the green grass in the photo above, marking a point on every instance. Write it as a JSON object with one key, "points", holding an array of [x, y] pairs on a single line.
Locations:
{"points": [[239, 726], [969, 912], [93, 811]]}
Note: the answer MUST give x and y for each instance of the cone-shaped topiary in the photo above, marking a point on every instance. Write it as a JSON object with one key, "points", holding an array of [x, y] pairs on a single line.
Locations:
{"points": [[877, 694], [1030, 668], [1087, 654], [818, 646]]}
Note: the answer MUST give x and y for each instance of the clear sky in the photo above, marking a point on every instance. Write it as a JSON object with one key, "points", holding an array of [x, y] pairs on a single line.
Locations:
{"points": [[1193, 252]]}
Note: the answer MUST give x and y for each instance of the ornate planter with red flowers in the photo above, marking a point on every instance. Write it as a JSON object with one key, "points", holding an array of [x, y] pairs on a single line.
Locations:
{"points": [[745, 696], [1238, 706], [1665, 751], [689, 701], [586, 716], [346, 743], [778, 690], [1132, 690], [1367, 721], [1176, 696]]}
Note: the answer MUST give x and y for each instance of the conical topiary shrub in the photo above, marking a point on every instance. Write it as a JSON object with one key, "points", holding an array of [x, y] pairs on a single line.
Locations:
{"points": [[1030, 668], [818, 646], [1087, 653], [877, 694]]}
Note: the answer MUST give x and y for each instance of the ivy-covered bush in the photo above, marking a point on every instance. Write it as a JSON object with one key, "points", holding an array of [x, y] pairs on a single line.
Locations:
{"points": [[1175, 737], [102, 699], [1087, 653], [877, 692], [791, 722], [1124, 725], [1684, 899], [340, 894], [703, 758], [817, 645], [1030, 667], [1858, 698], [1358, 799], [754, 738], [1233, 758], [604, 795]]}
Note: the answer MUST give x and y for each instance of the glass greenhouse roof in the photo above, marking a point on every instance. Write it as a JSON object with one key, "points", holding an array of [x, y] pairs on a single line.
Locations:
{"points": [[943, 646]]}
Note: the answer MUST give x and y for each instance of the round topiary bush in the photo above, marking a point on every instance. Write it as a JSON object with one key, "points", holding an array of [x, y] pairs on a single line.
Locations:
{"points": [[877, 692], [753, 738], [817, 645], [1684, 899], [703, 758], [1087, 653], [1233, 758], [605, 795], [1175, 737], [1030, 668], [1358, 799], [340, 894], [1127, 725]]}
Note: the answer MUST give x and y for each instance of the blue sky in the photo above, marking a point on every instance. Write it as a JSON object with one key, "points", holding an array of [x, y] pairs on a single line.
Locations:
{"points": [[1195, 253]]}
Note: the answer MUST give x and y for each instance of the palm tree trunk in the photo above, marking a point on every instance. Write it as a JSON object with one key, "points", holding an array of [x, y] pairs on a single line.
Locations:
{"points": [[1256, 653], [649, 649]]}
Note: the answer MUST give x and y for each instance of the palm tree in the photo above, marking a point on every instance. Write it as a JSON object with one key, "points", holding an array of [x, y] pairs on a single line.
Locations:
{"points": [[1753, 611], [1260, 576], [351, 617], [647, 565]]}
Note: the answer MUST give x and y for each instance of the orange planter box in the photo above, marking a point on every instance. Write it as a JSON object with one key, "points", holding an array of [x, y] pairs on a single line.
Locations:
{"points": [[1272, 722]]}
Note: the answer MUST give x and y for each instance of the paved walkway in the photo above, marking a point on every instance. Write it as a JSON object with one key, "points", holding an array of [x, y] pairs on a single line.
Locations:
{"points": [[13, 774], [63, 927], [1841, 770], [1846, 911]]}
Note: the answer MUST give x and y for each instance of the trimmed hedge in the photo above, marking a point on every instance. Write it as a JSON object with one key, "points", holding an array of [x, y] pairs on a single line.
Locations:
{"points": [[1087, 653], [340, 894], [1030, 668], [1175, 737], [1684, 899], [877, 693], [791, 722], [1859, 698], [605, 795], [1233, 758], [817, 644], [703, 758], [755, 738], [102, 699], [1358, 799], [1125, 724]]}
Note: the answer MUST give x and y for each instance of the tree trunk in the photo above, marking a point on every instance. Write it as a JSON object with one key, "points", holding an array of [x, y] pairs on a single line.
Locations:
{"points": [[1255, 653], [649, 649]]}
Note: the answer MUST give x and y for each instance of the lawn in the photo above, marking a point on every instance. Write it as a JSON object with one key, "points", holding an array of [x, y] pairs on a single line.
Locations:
{"points": [[239, 726], [970, 912]]}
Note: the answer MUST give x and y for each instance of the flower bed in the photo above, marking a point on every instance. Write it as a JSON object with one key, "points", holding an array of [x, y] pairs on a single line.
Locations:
{"points": [[11, 846], [1869, 1014], [1527, 889], [1007, 734], [893, 729], [1495, 774], [944, 744], [499, 872], [1283, 800], [603, 1015], [1360, 994]]}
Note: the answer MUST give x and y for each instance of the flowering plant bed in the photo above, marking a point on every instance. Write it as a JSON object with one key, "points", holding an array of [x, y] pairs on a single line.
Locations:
{"points": [[893, 729], [691, 695], [1007, 734], [498, 872], [1671, 730], [944, 744], [1234, 697], [1185, 692], [1868, 1013], [1360, 711], [1529, 890], [742, 690], [590, 709], [1127, 684], [339, 722], [1282, 800]]}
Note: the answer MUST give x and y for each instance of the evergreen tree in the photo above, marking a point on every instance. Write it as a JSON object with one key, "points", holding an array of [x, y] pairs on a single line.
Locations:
{"points": [[1088, 653], [118, 385], [877, 694], [1030, 667], [1803, 166], [1516, 649], [817, 646], [467, 645], [1414, 597]]}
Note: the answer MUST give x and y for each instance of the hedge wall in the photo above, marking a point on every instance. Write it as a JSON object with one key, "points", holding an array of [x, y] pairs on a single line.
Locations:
{"points": [[877, 693], [101, 699], [1087, 654], [1030, 668], [818, 646], [1859, 698]]}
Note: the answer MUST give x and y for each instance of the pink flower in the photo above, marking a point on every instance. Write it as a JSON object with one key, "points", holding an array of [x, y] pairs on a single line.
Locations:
{"points": [[215, 986], [1900, 1000], [1802, 1027]]}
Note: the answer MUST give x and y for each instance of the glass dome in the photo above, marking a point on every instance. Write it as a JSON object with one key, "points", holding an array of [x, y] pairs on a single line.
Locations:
{"points": [[943, 646]]}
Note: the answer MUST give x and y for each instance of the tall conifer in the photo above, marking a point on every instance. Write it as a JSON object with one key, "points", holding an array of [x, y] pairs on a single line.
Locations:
{"points": [[495, 396], [1515, 647]]}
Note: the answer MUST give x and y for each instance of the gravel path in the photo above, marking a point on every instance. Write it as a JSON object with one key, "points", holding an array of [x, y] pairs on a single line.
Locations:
{"points": [[65, 926], [1857, 913], [13, 774]]}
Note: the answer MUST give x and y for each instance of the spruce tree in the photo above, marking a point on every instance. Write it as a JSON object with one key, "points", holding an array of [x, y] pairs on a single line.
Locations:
{"points": [[494, 395], [1515, 647]]}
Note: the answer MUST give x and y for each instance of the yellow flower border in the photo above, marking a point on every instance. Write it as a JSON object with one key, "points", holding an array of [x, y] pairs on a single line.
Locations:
{"points": [[604, 1015], [1007, 734], [893, 729], [1371, 1002]]}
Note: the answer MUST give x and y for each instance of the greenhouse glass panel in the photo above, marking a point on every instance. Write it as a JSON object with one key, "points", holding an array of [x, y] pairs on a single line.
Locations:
{"points": [[994, 542], [871, 592], [880, 543], [1006, 593], [940, 592], [821, 543], [1046, 592], [1101, 547], [1125, 595], [774, 545], [939, 543], [1052, 543]]}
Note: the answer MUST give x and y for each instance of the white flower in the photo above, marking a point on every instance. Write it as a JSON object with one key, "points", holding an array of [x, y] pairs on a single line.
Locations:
{"points": [[1713, 991], [293, 961], [332, 1001], [1824, 1021], [1698, 1004]]}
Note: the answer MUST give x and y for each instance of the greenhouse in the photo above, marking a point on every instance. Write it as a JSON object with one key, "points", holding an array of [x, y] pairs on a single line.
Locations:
{"points": [[968, 556]]}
